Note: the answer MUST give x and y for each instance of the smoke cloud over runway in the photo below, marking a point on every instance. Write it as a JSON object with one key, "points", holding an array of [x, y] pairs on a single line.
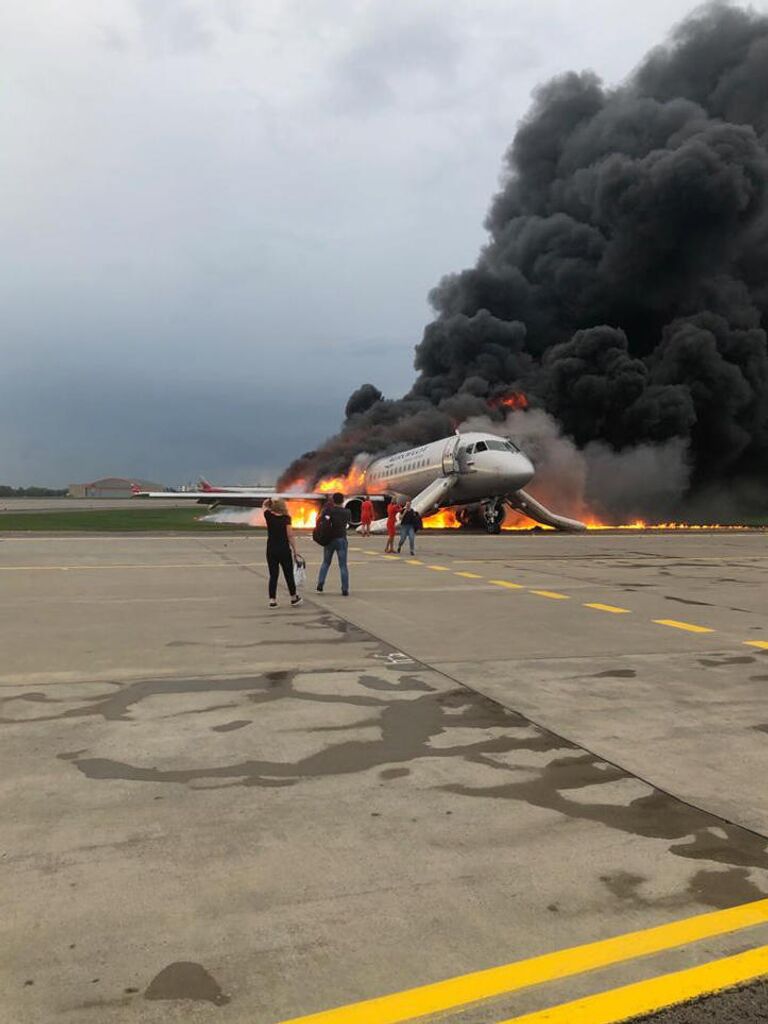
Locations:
{"points": [[623, 288]]}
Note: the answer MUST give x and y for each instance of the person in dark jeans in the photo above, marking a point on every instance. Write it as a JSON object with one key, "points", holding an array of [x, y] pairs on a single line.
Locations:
{"points": [[410, 522], [337, 545], [281, 549]]}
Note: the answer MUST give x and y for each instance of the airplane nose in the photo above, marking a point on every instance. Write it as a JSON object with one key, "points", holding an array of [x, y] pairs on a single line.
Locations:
{"points": [[525, 469]]}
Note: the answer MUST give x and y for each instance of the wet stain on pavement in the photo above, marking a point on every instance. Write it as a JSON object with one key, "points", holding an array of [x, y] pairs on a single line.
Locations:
{"points": [[186, 980], [405, 684], [739, 659], [347, 630], [412, 722], [710, 887], [406, 728], [117, 704], [703, 604], [624, 885], [692, 833], [723, 889], [615, 673]]}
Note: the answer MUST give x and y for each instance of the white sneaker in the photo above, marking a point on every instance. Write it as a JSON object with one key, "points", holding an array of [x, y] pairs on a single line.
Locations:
{"points": [[296, 600], [273, 604]]}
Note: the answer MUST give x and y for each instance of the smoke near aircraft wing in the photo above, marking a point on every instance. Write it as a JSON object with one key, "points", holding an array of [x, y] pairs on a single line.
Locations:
{"points": [[623, 288]]}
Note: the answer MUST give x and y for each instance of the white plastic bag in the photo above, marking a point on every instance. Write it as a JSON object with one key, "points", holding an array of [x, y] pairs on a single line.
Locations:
{"points": [[300, 572]]}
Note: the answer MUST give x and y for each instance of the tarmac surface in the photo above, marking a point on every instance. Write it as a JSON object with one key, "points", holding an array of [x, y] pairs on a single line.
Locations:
{"points": [[744, 1006], [515, 748], [81, 504]]}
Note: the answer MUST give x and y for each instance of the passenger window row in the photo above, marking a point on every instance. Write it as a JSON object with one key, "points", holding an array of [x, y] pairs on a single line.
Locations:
{"points": [[407, 468]]}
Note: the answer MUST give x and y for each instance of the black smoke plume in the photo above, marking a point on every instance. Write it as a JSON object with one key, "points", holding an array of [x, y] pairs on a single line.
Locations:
{"points": [[624, 286]]}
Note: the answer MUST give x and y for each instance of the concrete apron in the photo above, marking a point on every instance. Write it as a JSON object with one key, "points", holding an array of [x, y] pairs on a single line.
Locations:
{"points": [[322, 820]]}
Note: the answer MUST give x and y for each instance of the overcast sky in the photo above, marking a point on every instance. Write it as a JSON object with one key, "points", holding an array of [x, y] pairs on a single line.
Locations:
{"points": [[221, 216]]}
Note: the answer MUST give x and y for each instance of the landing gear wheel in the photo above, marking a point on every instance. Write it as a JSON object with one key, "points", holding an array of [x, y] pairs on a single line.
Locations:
{"points": [[494, 516]]}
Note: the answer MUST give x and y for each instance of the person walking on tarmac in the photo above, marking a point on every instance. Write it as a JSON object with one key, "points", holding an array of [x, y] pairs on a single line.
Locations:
{"points": [[366, 517], [393, 511], [410, 522], [337, 545], [281, 549]]}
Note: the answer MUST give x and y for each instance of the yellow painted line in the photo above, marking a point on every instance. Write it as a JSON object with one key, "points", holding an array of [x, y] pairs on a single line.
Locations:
{"points": [[469, 575], [439, 568], [688, 626], [607, 608], [553, 594], [762, 644], [392, 556], [656, 994], [506, 583], [495, 981], [414, 561]]}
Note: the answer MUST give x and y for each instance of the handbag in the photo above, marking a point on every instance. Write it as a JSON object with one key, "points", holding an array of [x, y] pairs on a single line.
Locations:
{"points": [[300, 572]]}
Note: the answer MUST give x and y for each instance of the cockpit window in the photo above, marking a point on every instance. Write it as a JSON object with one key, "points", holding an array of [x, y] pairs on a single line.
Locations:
{"points": [[481, 446], [497, 446], [512, 446]]}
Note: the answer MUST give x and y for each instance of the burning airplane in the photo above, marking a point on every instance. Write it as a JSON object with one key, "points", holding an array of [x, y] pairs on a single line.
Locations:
{"points": [[473, 474]]}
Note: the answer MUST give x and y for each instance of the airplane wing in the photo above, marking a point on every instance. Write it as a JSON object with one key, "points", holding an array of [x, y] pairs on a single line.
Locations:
{"points": [[243, 499]]}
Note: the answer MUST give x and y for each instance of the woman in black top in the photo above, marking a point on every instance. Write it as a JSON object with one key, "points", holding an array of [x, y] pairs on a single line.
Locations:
{"points": [[281, 548]]}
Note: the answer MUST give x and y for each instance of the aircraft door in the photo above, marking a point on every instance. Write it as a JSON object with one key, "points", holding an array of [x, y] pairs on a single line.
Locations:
{"points": [[450, 458]]}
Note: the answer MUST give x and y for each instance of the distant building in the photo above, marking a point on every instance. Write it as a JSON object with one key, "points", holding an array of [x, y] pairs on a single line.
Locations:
{"points": [[112, 487]]}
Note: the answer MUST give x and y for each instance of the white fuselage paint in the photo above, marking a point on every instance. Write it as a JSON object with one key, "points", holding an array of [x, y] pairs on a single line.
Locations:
{"points": [[493, 472]]}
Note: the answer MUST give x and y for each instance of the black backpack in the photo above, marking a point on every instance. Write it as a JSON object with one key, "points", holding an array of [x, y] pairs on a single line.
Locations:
{"points": [[323, 531]]}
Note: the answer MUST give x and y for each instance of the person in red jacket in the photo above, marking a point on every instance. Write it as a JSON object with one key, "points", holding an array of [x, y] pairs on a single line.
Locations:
{"points": [[393, 510], [366, 517]]}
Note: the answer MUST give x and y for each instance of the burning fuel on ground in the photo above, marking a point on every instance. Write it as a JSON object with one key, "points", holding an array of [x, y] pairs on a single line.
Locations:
{"points": [[618, 310]]}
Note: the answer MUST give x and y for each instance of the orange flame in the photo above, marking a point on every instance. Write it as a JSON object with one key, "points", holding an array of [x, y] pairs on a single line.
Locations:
{"points": [[352, 483], [303, 514], [445, 519], [511, 400], [517, 521]]}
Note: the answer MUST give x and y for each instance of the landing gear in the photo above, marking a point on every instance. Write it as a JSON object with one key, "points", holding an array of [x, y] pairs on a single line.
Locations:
{"points": [[493, 515]]}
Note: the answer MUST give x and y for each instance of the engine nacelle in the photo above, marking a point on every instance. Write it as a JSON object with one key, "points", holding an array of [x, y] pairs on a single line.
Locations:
{"points": [[354, 504]]}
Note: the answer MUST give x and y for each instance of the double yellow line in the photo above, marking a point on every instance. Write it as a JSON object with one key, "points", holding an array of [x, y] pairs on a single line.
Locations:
{"points": [[603, 1008]]}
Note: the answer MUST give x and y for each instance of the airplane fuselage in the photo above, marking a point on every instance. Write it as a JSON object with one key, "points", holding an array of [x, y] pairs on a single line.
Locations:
{"points": [[482, 465]]}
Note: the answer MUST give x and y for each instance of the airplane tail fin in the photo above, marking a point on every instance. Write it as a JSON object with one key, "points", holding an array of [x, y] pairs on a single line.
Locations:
{"points": [[205, 485]]}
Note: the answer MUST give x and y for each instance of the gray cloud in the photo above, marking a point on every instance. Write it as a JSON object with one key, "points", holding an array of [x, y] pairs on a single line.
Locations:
{"points": [[214, 211]]}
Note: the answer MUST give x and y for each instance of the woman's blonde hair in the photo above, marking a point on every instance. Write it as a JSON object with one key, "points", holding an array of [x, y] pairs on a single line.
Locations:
{"points": [[278, 505]]}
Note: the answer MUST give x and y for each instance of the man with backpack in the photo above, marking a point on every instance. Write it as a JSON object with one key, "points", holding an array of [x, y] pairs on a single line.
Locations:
{"points": [[410, 522], [331, 533]]}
